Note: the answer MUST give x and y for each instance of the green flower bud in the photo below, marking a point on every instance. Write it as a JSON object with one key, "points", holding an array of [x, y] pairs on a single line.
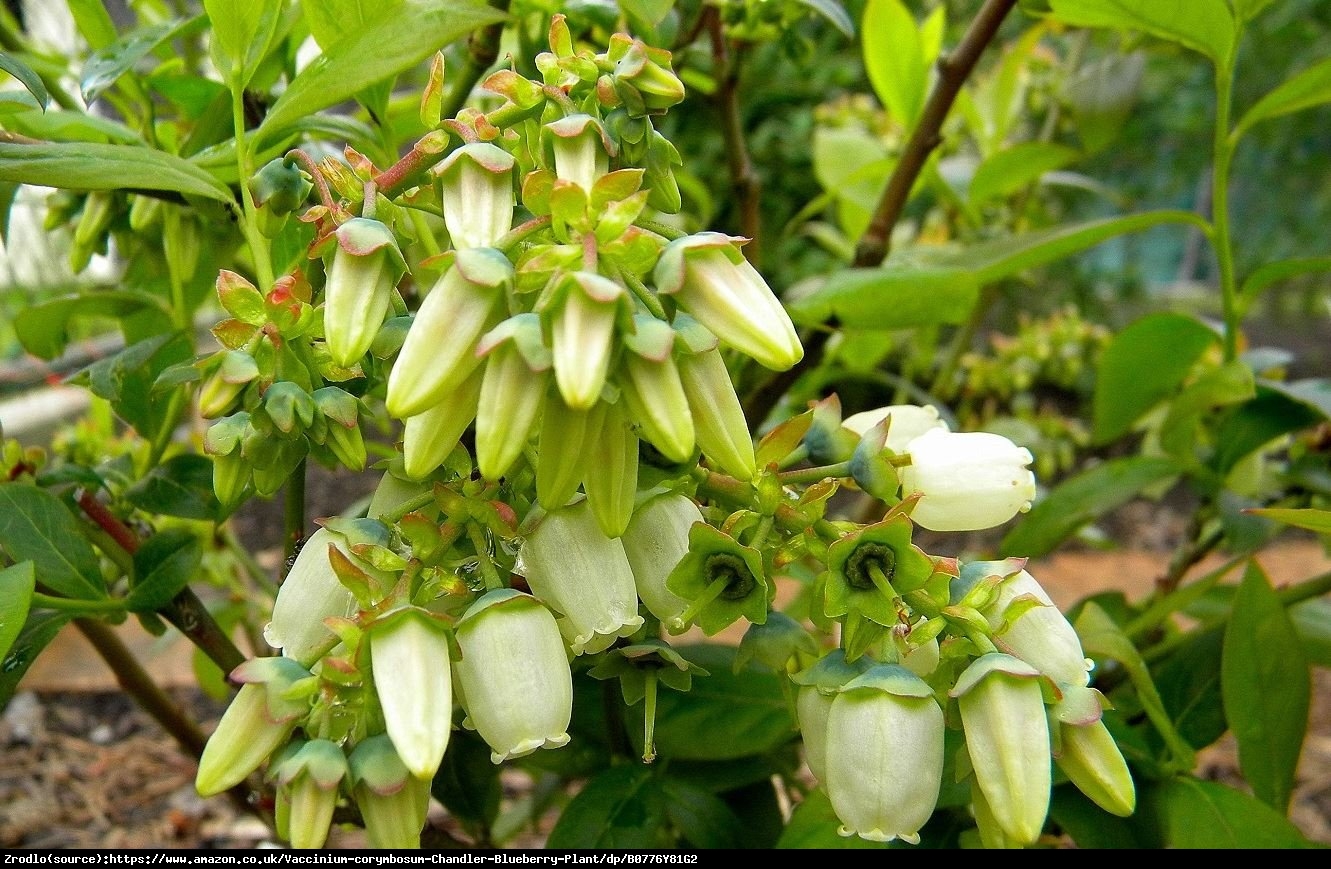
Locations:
{"points": [[1093, 762], [231, 480], [514, 676], [562, 457], [259, 720], [967, 481], [653, 390], [512, 392], [429, 437], [309, 779], [582, 334], [710, 278], [392, 802], [718, 418], [440, 350], [610, 474], [366, 266], [413, 680], [144, 212], [476, 188], [582, 573], [280, 187], [656, 540], [1007, 737], [580, 149], [884, 755], [643, 78]]}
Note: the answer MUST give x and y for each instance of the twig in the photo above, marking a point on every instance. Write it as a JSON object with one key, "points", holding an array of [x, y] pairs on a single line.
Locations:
{"points": [[875, 244], [747, 184]]}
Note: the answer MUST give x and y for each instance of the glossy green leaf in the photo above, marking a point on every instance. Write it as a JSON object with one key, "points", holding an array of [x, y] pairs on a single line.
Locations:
{"points": [[1272, 272], [17, 582], [1191, 814], [44, 328], [1305, 89], [331, 21], [1271, 413], [163, 567], [623, 807], [1143, 365], [68, 127], [702, 819], [1189, 685], [36, 526], [1082, 499], [126, 379], [1090, 826], [242, 33], [91, 166], [93, 19], [467, 783], [813, 825], [37, 633], [1267, 689], [1015, 168], [26, 77], [1308, 518], [725, 715], [182, 486], [1206, 26], [940, 285], [894, 59], [108, 64], [831, 10], [418, 30]]}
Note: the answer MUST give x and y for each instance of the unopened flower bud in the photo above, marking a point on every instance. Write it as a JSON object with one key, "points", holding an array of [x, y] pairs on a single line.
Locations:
{"points": [[476, 188], [430, 436], [711, 279], [366, 266], [718, 418], [517, 371], [562, 457], [309, 778], [258, 721], [1091, 759], [967, 481], [644, 80], [577, 569], [580, 150], [653, 390], [906, 422], [582, 332], [392, 802], [413, 680], [514, 676], [1007, 737]]}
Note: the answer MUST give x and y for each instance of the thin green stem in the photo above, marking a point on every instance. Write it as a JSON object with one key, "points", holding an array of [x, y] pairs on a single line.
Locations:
{"points": [[263, 260], [801, 476], [1224, 248], [664, 230], [293, 515], [77, 605], [476, 534], [643, 294], [253, 569], [388, 517]]}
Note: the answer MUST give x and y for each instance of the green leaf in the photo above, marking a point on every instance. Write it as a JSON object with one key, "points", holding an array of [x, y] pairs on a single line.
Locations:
{"points": [[1308, 88], [894, 59], [813, 825], [94, 21], [940, 285], [1102, 94], [418, 30], [1189, 685], [67, 127], [1206, 26], [36, 526], [92, 166], [1269, 273], [737, 714], [163, 566], [182, 487], [1192, 814], [623, 808], [242, 32], [1082, 499], [1272, 412], [1089, 825], [467, 783], [833, 11], [1308, 518], [29, 79], [1246, 10], [1267, 689], [1230, 383], [702, 819], [1015, 168], [38, 632], [17, 583], [43, 329], [331, 21], [1312, 620], [126, 379], [1143, 365], [111, 62]]}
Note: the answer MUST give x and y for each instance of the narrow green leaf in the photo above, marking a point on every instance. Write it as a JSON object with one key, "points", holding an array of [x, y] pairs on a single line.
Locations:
{"points": [[36, 526], [1230, 383], [1312, 619], [1267, 689], [1272, 272], [940, 285], [894, 59], [1308, 88], [331, 21], [1082, 499], [43, 329], [111, 62], [702, 819], [1144, 364], [1189, 685], [813, 825], [94, 21], [90, 166], [418, 30], [182, 487], [126, 379], [29, 79], [467, 783], [833, 11], [67, 127], [622, 807], [163, 566], [242, 33], [38, 632], [1015, 168], [17, 583], [1308, 518], [1090, 826], [1252, 425], [1206, 26], [741, 715], [1193, 814]]}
